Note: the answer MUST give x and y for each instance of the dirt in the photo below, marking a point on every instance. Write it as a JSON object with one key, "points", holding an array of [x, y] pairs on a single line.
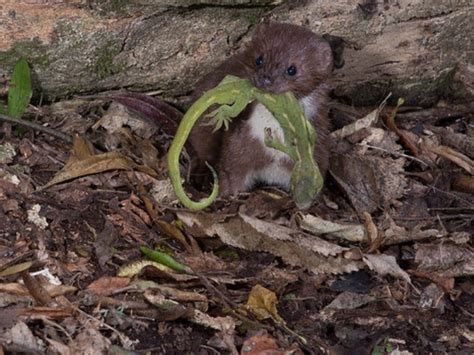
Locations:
{"points": [[88, 226]]}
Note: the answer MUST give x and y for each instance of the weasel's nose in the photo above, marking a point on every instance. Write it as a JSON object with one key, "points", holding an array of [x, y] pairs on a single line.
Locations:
{"points": [[264, 81]]}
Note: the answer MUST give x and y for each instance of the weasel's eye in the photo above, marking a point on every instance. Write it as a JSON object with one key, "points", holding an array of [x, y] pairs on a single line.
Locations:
{"points": [[291, 70], [259, 61]]}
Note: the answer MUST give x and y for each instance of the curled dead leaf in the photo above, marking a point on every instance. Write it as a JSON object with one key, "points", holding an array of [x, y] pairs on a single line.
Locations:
{"points": [[262, 303], [84, 162]]}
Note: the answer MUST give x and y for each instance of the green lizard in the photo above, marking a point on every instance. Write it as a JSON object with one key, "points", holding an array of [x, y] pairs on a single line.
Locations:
{"points": [[234, 94]]}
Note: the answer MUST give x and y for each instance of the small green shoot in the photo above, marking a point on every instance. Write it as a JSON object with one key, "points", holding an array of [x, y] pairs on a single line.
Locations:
{"points": [[385, 347], [164, 259], [19, 91]]}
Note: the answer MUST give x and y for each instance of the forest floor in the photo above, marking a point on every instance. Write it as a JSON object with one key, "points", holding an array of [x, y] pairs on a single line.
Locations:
{"points": [[381, 263]]}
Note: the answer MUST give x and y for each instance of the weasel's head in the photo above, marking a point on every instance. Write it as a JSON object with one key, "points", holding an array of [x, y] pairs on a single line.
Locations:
{"points": [[285, 57]]}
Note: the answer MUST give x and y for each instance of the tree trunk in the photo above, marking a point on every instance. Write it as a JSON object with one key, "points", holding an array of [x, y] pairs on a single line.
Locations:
{"points": [[419, 49]]}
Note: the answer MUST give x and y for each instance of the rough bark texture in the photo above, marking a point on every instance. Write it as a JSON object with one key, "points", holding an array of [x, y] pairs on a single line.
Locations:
{"points": [[419, 49]]}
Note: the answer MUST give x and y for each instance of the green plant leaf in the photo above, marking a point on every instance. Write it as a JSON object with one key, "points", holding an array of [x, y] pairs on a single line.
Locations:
{"points": [[165, 259], [19, 92]]}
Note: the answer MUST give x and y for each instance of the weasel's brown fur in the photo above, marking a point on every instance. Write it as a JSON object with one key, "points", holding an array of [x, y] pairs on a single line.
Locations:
{"points": [[240, 155]]}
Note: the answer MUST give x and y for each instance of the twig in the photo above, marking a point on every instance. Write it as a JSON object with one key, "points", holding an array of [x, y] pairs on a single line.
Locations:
{"points": [[394, 153], [451, 216], [56, 325], [227, 302], [37, 127], [123, 339]]}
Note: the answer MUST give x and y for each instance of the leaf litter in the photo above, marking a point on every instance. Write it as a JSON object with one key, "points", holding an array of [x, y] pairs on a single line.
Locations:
{"points": [[384, 260]]}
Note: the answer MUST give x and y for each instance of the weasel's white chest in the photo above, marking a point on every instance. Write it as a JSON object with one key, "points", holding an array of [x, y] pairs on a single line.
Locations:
{"points": [[274, 172]]}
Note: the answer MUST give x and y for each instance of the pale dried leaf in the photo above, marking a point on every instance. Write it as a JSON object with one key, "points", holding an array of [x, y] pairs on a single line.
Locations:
{"points": [[96, 164], [218, 323], [118, 116], [55, 347], [364, 122], [318, 226], [457, 158], [20, 289], [370, 182], [249, 233], [432, 298], [19, 338], [35, 218], [16, 268], [262, 344], [90, 342], [262, 302], [7, 153], [106, 285], [179, 295], [447, 259], [379, 138], [350, 300], [163, 192], [157, 299], [384, 264]]}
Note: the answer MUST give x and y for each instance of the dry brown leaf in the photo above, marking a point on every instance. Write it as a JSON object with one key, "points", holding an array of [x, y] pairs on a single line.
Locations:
{"points": [[118, 116], [19, 338], [16, 268], [375, 237], [432, 298], [395, 234], [451, 154], [8, 315], [404, 138], [55, 347], [318, 226], [276, 278], [172, 231], [350, 300], [262, 344], [50, 312], [364, 122], [464, 183], [447, 283], [295, 248], [218, 323], [90, 341], [83, 162], [447, 259], [378, 140], [36, 290], [106, 286], [262, 303], [20, 290], [370, 182], [384, 264], [163, 192], [178, 295]]}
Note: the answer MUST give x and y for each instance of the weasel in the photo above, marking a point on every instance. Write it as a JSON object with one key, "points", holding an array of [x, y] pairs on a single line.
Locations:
{"points": [[279, 58]]}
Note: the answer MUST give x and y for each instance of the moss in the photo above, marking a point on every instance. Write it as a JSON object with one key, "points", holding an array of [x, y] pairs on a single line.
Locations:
{"points": [[419, 92], [253, 19], [33, 51], [120, 6], [113, 8], [426, 92], [104, 65]]}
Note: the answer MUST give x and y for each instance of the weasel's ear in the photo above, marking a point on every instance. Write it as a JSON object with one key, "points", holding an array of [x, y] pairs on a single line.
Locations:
{"points": [[261, 28], [324, 59], [337, 47]]}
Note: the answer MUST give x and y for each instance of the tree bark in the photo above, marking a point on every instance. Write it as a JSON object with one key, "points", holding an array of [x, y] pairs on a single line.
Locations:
{"points": [[419, 49]]}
